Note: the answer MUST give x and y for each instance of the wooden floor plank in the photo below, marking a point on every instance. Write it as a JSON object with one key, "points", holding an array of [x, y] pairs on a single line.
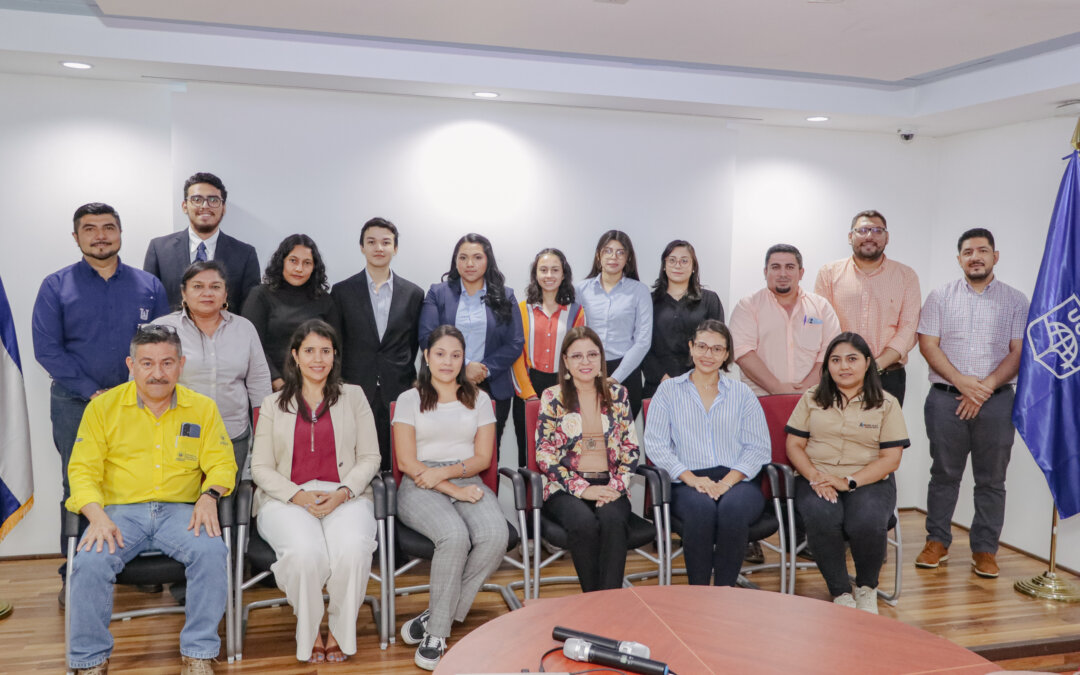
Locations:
{"points": [[950, 601]]}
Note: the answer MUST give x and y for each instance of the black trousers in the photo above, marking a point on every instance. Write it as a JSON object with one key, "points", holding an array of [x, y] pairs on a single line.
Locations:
{"points": [[598, 537], [633, 385], [895, 382], [380, 410], [540, 381]]}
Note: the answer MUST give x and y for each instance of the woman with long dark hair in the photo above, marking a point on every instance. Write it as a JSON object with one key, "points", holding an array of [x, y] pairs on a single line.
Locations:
{"points": [[473, 296], [548, 312], [444, 432], [845, 439], [679, 305], [294, 290], [314, 456], [618, 307], [586, 446]]}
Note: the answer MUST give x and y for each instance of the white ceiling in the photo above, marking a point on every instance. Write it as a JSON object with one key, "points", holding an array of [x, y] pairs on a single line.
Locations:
{"points": [[938, 66]]}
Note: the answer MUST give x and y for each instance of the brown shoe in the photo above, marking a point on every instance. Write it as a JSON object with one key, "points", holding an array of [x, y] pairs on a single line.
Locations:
{"points": [[985, 565], [100, 669], [933, 554], [190, 666]]}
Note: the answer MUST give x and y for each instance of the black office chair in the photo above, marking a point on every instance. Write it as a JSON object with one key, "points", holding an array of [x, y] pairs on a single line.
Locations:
{"points": [[259, 556], [154, 568]]}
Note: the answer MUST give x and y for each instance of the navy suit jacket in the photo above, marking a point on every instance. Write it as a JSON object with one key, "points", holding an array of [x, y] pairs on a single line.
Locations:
{"points": [[168, 257], [389, 363], [503, 343]]}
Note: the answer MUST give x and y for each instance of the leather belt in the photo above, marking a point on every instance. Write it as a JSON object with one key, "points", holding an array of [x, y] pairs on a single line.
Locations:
{"points": [[594, 474], [953, 390]]}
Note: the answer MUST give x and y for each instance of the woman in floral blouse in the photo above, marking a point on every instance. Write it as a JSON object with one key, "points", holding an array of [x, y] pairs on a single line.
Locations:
{"points": [[586, 446]]}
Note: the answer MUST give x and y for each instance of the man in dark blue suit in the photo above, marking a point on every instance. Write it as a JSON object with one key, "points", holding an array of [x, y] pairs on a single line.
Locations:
{"points": [[377, 319], [168, 257]]}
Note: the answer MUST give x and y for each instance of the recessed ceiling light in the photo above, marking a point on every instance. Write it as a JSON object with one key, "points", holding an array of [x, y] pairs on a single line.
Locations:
{"points": [[485, 94], [817, 118], [76, 65]]}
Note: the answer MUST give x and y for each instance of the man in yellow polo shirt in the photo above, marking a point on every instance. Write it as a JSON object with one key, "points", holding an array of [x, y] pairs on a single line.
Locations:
{"points": [[149, 464]]}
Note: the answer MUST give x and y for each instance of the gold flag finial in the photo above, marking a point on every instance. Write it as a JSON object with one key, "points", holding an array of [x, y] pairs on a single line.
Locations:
{"points": [[1076, 136]]}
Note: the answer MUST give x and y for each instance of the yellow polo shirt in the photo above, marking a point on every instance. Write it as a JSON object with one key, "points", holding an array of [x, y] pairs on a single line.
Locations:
{"points": [[125, 455], [843, 440]]}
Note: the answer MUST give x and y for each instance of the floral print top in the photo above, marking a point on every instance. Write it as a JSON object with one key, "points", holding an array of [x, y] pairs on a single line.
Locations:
{"points": [[558, 433]]}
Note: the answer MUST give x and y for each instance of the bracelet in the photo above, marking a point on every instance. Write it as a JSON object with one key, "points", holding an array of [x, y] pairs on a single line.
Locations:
{"points": [[348, 491], [463, 468]]}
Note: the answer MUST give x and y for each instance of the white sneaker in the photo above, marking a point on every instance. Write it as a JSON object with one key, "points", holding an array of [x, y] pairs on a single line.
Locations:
{"points": [[844, 600], [866, 599]]}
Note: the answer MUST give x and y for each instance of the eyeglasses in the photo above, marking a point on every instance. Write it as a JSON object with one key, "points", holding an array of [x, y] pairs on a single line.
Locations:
{"points": [[199, 200], [616, 252], [867, 231], [155, 329], [678, 262], [578, 357], [715, 350]]}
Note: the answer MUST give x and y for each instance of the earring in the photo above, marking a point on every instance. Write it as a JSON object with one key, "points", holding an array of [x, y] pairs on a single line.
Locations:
{"points": [[568, 377], [226, 305]]}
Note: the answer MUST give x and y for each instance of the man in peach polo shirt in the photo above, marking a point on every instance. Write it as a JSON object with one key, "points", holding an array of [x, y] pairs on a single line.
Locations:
{"points": [[876, 297], [780, 333]]}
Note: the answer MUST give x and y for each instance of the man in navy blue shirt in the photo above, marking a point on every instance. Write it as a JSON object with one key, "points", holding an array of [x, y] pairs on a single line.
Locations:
{"points": [[84, 318]]}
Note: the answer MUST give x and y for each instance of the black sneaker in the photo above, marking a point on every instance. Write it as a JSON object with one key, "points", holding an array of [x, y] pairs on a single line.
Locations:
{"points": [[754, 554], [430, 652], [414, 630]]}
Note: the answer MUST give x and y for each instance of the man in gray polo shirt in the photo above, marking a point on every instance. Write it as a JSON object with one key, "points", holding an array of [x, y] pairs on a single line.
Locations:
{"points": [[970, 333]]}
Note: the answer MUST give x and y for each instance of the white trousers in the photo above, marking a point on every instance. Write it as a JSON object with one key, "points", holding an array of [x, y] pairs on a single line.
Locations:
{"points": [[334, 551]]}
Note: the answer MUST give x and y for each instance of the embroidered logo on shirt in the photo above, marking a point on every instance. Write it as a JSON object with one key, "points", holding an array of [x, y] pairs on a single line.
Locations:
{"points": [[813, 321], [867, 425], [144, 313]]}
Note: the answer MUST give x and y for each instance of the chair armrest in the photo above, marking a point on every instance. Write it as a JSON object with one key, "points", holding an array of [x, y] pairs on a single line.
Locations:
{"points": [[535, 483], [391, 493], [518, 484], [69, 526], [226, 511], [657, 480], [783, 476], [242, 504], [378, 489]]}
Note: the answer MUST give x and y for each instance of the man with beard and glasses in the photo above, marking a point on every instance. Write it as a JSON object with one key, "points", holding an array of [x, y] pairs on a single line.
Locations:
{"points": [[84, 317], [781, 332], [876, 297], [970, 333], [168, 257]]}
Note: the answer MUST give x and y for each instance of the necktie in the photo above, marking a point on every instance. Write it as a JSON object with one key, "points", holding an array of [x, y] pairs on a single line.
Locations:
{"points": [[200, 253]]}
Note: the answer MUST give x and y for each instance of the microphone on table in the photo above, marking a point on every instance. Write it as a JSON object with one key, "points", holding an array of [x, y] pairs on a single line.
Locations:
{"points": [[580, 650], [633, 648]]}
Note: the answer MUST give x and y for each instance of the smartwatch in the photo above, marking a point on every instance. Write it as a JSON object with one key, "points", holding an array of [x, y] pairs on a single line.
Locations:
{"points": [[213, 493], [851, 484]]}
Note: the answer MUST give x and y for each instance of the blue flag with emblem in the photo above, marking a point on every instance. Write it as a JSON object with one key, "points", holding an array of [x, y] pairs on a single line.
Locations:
{"points": [[1048, 387], [16, 473]]}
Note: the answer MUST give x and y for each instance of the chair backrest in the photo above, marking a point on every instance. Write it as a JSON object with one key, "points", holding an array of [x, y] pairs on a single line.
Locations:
{"points": [[778, 408], [532, 413], [490, 475]]}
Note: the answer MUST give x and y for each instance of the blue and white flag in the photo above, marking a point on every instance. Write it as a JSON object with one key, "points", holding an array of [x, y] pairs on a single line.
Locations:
{"points": [[1047, 408], [16, 472]]}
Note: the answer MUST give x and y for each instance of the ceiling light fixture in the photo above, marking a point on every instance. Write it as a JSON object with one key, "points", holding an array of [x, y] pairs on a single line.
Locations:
{"points": [[485, 94], [76, 65], [817, 118]]}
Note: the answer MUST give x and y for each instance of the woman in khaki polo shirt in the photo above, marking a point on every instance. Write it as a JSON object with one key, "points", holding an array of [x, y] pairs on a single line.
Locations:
{"points": [[845, 439]]}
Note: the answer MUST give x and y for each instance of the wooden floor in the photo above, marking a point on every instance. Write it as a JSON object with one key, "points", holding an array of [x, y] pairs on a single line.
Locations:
{"points": [[950, 602]]}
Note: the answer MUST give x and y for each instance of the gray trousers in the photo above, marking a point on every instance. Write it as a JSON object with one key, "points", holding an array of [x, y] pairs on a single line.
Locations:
{"points": [[470, 541], [988, 438]]}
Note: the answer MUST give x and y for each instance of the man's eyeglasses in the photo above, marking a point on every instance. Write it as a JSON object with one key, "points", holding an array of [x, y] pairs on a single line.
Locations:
{"points": [[199, 200], [867, 231]]}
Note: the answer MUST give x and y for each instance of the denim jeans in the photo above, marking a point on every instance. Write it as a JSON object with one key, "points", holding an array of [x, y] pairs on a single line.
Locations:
{"points": [[148, 526], [65, 412], [860, 518], [715, 532]]}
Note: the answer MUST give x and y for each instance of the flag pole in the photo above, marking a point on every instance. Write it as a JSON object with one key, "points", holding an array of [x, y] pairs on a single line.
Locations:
{"points": [[1048, 585], [1076, 136]]}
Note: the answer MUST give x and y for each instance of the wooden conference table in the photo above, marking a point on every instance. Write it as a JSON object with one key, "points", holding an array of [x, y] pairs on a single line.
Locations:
{"points": [[700, 630]]}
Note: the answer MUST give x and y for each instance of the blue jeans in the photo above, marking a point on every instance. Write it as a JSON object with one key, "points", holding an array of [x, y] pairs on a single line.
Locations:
{"points": [[715, 533], [149, 526], [65, 412]]}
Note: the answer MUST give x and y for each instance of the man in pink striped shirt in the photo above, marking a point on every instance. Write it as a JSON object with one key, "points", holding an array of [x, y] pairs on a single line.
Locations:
{"points": [[876, 297]]}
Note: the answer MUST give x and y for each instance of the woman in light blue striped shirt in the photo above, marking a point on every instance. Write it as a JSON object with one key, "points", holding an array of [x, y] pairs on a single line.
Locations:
{"points": [[709, 433]]}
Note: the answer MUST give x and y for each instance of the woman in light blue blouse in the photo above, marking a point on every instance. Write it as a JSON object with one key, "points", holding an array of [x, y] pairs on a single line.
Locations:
{"points": [[618, 306], [709, 433]]}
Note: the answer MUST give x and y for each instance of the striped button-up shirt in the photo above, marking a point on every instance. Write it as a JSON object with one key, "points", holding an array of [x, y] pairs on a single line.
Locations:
{"points": [[882, 306], [681, 435], [975, 328]]}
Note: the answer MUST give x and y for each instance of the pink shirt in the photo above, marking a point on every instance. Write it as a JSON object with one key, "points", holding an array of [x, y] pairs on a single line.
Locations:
{"points": [[882, 306], [789, 344]]}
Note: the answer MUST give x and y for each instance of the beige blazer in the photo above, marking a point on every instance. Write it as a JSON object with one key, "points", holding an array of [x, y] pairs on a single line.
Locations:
{"points": [[354, 438]]}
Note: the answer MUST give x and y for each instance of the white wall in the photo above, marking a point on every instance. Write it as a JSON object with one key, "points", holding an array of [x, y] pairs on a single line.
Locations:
{"points": [[526, 176]]}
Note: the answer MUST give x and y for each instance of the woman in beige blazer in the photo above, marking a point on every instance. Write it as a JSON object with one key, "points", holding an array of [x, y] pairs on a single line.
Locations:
{"points": [[314, 455]]}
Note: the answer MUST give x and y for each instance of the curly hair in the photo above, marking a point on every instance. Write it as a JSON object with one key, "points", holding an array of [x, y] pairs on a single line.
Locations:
{"points": [[565, 293], [274, 275], [496, 282]]}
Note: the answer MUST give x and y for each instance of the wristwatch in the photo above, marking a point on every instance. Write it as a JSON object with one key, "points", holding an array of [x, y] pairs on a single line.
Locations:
{"points": [[213, 493], [851, 484]]}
